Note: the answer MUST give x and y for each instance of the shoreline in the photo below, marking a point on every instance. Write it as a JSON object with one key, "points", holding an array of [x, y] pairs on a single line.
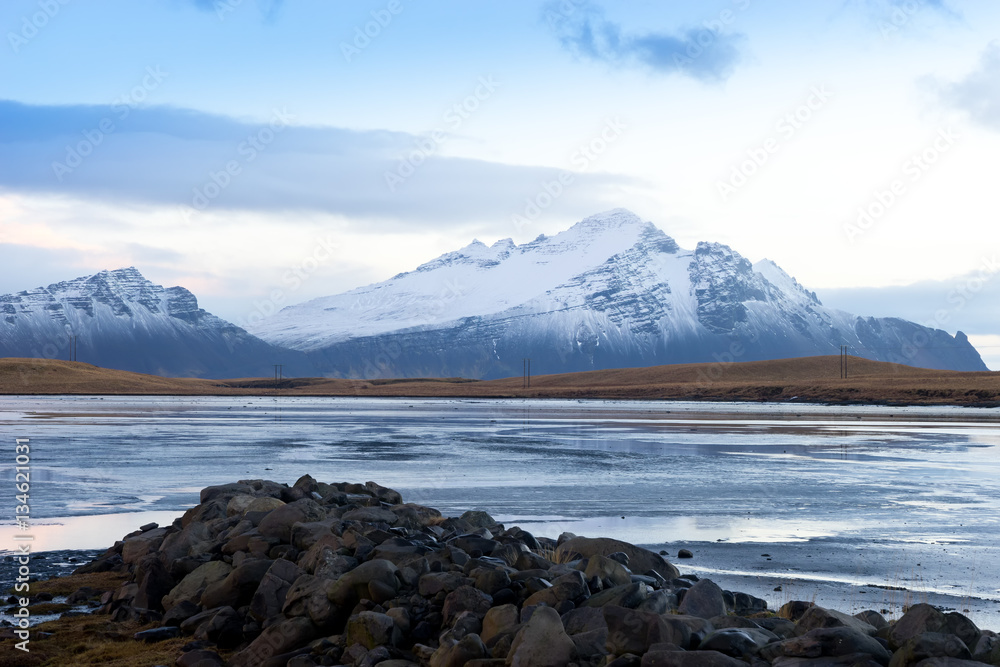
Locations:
{"points": [[389, 580]]}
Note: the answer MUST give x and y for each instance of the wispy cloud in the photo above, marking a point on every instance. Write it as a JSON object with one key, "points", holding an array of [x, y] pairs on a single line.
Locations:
{"points": [[978, 93], [268, 8], [705, 53], [166, 155]]}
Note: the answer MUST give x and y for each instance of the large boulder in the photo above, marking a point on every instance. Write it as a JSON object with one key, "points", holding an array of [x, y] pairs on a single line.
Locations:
{"points": [[192, 586], [631, 631], [278, 522], [144, 543], [238, 587], [275, 640], [371, 629], [269, 598], [917, 620], [819, 617], [542, 642], [376, 580], [828, 642], [639, 560], [930, 645], [704, 600]]}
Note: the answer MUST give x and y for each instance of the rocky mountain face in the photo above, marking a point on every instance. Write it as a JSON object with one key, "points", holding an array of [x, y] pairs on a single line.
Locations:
{"points": [[612, 291], [122, 320]]}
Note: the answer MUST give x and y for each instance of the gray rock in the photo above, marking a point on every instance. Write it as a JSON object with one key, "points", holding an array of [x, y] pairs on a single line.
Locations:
{"points": [[498, 619], [278, 522], [930, 645], [158, 634], [736, 642], [459, 653], [918, 619], [269, 598], [542, 642], [689, 659], [371, 580], [200, 658], [192, 586], [433, 582], [238, 587], [371, 629], [819, 617], [629, 596], [610, 572], [640, 560], [223, 627], [631, 631], [275, 640], [571, 587], [872, 618], [703, 600], [465, 598], [827, 642]]}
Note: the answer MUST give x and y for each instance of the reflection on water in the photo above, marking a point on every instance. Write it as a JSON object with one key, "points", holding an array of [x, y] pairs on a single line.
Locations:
{"points": [[914, 478]]}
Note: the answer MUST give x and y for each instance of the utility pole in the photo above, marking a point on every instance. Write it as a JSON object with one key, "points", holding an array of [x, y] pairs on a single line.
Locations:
{"points": [[525, 372], [72, 347], [843, 361], [278, 375]]}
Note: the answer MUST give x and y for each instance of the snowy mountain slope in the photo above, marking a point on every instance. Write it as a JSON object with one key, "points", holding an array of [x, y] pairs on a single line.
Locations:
{"points": [[611, 291], [124, 321]]}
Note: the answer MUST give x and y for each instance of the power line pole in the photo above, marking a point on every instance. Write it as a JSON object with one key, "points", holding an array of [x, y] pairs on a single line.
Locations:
{"points": [[525, 372], [278, 375], [843, 361]]}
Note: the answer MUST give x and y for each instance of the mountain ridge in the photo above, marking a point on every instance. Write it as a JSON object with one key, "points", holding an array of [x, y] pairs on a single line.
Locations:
{"points": [[613, 290], [122, 320]]}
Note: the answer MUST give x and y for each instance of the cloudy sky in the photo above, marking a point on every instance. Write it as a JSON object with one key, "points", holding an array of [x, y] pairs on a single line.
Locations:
{"points": [[247, 148]]}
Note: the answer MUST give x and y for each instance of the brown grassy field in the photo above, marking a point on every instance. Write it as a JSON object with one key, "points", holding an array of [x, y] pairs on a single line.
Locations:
{"points": [[809, 379]]}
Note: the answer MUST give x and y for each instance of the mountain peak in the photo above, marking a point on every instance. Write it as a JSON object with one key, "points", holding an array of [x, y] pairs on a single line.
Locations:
{"points": [[615, 218]]}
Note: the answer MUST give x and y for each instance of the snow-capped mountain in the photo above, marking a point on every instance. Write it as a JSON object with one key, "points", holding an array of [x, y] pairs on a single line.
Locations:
{"points": [[611, 291], [121, 320]]}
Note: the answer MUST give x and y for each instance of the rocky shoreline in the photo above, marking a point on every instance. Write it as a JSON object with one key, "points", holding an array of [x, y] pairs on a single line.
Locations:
{"points": [[266, 574]]}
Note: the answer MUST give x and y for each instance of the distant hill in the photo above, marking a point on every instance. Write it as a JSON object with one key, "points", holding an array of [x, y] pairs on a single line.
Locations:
{"points": [[809, 379], [122, 320]]}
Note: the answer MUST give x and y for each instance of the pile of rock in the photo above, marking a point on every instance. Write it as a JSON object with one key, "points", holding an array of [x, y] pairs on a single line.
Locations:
{"points": [[261, 573]]}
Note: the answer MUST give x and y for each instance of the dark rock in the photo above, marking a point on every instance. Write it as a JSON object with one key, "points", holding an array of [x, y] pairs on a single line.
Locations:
{"points": [[819, 617], [793, 610], [542, 642], [917, 620], [689, 659], [223, 627], [465, 598], [276, 640], [278, 522], [737, 642], [371, 629], [703, 600], [684, 553], [158, 634], [180, 612], [639, 559], [631, 631], [629, 596], [930, 645], [238, 588], [828, 642], [200, 658]]}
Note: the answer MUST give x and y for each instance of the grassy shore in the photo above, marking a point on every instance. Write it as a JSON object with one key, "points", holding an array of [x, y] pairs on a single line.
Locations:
{"points": [[809, 379]]}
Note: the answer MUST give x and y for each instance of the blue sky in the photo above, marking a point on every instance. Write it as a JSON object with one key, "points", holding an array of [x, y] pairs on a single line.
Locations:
{"points": [[246, 147]]}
